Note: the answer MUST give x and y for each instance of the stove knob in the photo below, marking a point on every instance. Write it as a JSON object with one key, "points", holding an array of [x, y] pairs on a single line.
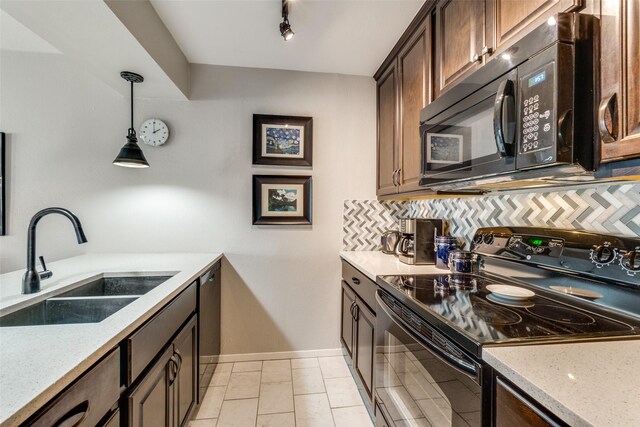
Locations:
{"points": [[603, 255], [477, 239], [488, 239], [631, 260]]}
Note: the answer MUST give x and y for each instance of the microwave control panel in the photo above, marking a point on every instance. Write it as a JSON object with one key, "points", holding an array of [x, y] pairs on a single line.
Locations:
{"points": [[535, 112]]}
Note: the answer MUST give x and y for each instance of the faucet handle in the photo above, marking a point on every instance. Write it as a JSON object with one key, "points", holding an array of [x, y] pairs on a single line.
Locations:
{"points": [[45, 274]]}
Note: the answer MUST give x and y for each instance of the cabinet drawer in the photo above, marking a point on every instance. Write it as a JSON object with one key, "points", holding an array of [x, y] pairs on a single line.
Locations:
{"points": [[146, 342], [88, 400], [364, 287]]}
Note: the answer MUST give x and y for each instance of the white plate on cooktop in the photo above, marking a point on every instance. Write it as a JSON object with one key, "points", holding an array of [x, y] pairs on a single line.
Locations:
{"points": [[578, 292], [510, 292]]}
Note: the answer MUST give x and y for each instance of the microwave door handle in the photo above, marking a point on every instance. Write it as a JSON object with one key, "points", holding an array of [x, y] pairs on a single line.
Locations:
{"points": [[504, 119], [459, 365]]}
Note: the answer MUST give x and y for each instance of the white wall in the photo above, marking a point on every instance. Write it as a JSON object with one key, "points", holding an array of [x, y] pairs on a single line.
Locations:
{"points": [[281, 284]]}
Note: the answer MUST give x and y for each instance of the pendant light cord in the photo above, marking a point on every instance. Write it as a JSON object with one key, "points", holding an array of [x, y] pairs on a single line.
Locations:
{"points": [[132, 106]]}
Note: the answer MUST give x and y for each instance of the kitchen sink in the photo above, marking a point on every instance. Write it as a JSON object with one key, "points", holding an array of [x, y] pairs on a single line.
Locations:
{"points": [[113, 286], [89, 303], [61, 311]]}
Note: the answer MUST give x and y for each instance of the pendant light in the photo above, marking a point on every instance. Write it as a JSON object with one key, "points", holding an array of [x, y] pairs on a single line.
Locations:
{"points": [[285, 28], [131, 155]]}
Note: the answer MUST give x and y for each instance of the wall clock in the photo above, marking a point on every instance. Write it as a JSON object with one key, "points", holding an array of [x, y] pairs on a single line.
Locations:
{"points": [[154, 132]]}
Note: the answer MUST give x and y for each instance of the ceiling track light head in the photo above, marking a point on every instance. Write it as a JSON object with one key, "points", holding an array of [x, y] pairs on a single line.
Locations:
{"points": [[285, 28]]}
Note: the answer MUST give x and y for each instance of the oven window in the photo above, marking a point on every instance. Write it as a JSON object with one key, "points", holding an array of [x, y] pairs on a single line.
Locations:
{"points": [[417, 389]]}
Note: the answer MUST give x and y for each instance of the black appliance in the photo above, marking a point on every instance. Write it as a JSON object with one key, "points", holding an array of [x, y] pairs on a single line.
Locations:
{"points": [[430, 329], [417, 239], [528, 114], [209, 298]]}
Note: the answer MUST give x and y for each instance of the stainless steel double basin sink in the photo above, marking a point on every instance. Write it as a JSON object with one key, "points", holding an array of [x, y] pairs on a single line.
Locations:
{"points": [[88, 303]]}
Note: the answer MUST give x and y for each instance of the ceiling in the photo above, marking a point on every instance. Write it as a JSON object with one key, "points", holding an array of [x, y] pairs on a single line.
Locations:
{"points": [[331, 36], [16, 37]]}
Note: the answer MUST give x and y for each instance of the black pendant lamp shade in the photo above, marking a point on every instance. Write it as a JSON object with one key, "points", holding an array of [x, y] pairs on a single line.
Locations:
{"points": [[131, 155]]}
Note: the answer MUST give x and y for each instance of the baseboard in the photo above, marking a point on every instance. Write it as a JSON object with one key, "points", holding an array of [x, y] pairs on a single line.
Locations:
{"points": [[247, 357]]}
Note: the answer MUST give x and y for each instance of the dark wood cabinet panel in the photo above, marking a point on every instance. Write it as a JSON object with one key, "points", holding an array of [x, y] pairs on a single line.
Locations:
{"points": [[185, 350], [150, 403], [414, 69], [507, 19], [364, 358], [619, 112], [515, 409], [387, 131], [459, 38], [346, 323], [88, 400]]}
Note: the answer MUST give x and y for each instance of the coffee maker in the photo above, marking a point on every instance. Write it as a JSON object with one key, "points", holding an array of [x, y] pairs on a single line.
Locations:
{"points": [[417, 239]]}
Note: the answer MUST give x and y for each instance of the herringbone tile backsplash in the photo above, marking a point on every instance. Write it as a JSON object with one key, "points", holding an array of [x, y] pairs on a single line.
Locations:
{"points": [[613, 209]]}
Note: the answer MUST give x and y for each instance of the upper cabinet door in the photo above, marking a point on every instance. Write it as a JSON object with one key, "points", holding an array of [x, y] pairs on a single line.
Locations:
{"points": [[506, 19], [619, 110], [387, 131], [460, 30], [414, 62]]}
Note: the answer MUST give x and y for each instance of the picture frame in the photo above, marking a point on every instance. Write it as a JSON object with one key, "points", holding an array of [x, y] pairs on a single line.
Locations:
{"points": [[445, 148], [282, 199], [3, 185], [282, 140]]}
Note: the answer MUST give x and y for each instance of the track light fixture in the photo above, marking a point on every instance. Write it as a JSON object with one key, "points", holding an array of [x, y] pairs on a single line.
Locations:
{"points": [[285, 28], [131, 155]]}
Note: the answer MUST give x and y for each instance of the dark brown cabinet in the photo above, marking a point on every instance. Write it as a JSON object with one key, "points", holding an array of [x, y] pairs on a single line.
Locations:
{"points": [[619, 110], [166, 394], [507, 20], [387, 131], [459, 41], [90, 399], [346, 321], [514, 408], [358, 322], [403, 90]]}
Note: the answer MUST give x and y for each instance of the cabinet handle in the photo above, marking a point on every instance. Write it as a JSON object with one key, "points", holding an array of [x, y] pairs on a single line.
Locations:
{"points": [[353, 304], [173, 369], [393, 178], [80, 409], [610, 106], [486, 50], [179, 360], [355, 280], [356, 312]]}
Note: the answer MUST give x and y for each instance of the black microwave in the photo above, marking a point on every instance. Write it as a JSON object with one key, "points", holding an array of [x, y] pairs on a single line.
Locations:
{"points": [[528, 112]]}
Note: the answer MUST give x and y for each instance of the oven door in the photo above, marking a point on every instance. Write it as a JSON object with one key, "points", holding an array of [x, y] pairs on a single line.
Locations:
{"points": [[420, 380], [472, 138]]}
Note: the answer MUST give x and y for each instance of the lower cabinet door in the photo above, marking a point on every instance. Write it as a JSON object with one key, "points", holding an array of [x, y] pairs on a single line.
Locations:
{"points": [[346, 323], [514, 409], [365, 333], [185, 351], [151, 401]]}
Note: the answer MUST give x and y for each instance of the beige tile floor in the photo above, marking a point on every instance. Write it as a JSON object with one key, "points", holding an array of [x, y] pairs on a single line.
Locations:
{"points": [[310, 392]]}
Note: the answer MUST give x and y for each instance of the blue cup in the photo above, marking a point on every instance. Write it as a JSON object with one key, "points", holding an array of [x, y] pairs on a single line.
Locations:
{"points": [[444, 245]]}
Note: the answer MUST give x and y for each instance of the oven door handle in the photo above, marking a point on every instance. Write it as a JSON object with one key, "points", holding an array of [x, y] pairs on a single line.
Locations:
{"points": [[469, 369], [504, 121]]}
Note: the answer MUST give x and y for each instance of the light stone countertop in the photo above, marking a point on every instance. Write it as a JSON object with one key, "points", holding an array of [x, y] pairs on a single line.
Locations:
{"points": [[376, 263], [37, 362], [584, 384]]}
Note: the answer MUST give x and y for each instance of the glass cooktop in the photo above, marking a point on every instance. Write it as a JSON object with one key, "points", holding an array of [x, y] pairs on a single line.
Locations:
{"points": [[463, 303]]}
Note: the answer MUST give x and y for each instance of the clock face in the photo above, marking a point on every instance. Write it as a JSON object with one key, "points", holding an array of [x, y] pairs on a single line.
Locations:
{"points": [[154, 132]]}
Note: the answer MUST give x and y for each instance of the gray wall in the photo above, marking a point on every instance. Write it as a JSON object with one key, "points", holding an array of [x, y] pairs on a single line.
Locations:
{"points": [[281, 284]]}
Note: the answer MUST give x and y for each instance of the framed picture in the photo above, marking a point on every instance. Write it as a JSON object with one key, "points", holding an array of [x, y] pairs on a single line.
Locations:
{"points": [[281, 200], [282, 140], [3, 177], [444, 148]]}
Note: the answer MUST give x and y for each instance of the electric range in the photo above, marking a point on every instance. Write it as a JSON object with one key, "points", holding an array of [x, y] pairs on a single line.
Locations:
{"points": [[430, 329]]}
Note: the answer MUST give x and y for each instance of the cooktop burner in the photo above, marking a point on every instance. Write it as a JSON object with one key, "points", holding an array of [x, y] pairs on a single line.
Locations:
{"points": [[561, 314], [461, 302]]}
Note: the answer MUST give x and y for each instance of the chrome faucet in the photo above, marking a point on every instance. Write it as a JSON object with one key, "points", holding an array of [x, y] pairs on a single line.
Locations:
{"points": [[31, 279]]}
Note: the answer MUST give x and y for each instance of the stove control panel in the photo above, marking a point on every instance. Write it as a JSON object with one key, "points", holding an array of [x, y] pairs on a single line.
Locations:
{"points": [[589, 254]]}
